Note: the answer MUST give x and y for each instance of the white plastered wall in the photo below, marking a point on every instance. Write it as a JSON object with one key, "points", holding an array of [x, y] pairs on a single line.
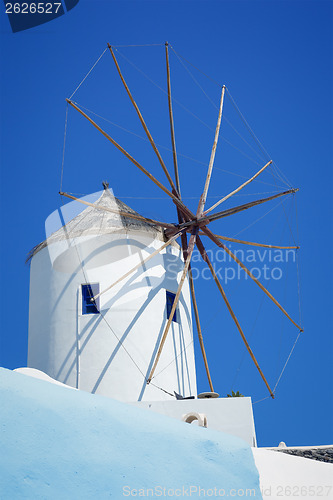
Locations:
{"points": [[110, 353]]}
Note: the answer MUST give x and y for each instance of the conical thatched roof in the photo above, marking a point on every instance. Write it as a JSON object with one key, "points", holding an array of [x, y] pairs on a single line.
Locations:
{"points": [[94, 221]]}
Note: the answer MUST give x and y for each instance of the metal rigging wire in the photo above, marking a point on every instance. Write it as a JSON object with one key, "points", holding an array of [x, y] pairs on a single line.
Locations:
{"points": [[180, 154], [93, 66]]}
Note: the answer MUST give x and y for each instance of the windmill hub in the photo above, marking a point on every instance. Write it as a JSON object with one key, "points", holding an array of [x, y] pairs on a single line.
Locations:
{"points": [[189, 225]]}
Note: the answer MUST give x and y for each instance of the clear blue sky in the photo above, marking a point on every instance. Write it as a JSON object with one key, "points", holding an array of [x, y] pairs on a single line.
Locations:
{"points": [[275, 57]]}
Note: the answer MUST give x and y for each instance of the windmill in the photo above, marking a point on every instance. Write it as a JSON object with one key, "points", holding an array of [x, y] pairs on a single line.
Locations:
{"points": [[196, 224]]}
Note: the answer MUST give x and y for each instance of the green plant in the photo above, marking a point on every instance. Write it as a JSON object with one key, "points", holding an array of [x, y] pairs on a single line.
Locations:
{"points": [[235, 395]]}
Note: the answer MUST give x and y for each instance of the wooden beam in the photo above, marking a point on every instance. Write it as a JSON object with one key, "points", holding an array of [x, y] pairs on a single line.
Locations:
{"points": [[238, 189], [196, 313], [175, 302], [206, 259], [172, 128], [136, 163], [156, 252], [203, 198], [227, 238], [181, 217], [229, 252], [203, 221], [119, 212], [197, 321], [151, 140], [240, 208]]}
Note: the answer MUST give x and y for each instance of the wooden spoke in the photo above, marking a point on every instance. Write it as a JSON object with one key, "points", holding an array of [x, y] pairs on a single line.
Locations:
{"points": [[156, 252], [136, 163], [175, 302], [240, 208], [238, 189], [229, 252], [226, 238], [194, 302], [197, 321], [151, 140], [119, 212], [206, 259], [202, 221], [196, 313], [172, 128], [212, 157]]}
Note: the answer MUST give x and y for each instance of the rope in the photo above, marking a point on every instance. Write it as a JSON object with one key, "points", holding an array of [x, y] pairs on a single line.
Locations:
{"points": [[143, 45], [249, 145], [122, 345], [299, 288], [132, 359], [174, 360], [283, 208], [200, 71], [160, 388], [211, 197], [180, 154], [77, 88], [240, 151], [290, 229], [298, 270], [63, 150], [259, 218], [249, 339], [255, 138], [283, 369], [282, 175], [245, 177], [282, 319], [258, 312], [216, 107], [246, 124], [209, 99], [164, 91], [263, 399]]}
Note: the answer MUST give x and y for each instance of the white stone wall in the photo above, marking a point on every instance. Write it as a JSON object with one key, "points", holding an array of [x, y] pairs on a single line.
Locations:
{"points": [[230, 415], [110, 353]]}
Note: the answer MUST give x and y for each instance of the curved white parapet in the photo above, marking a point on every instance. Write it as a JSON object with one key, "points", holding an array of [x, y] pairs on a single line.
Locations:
{"points": [[33, 372], [194, 416]]}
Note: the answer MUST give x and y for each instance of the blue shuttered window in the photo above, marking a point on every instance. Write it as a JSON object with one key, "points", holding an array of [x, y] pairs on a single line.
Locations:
{"points": [[90, 306], [170, 297]]}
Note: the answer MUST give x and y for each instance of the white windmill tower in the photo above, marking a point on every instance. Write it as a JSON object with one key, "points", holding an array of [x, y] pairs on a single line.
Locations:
{"points": [[107, 345]]}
